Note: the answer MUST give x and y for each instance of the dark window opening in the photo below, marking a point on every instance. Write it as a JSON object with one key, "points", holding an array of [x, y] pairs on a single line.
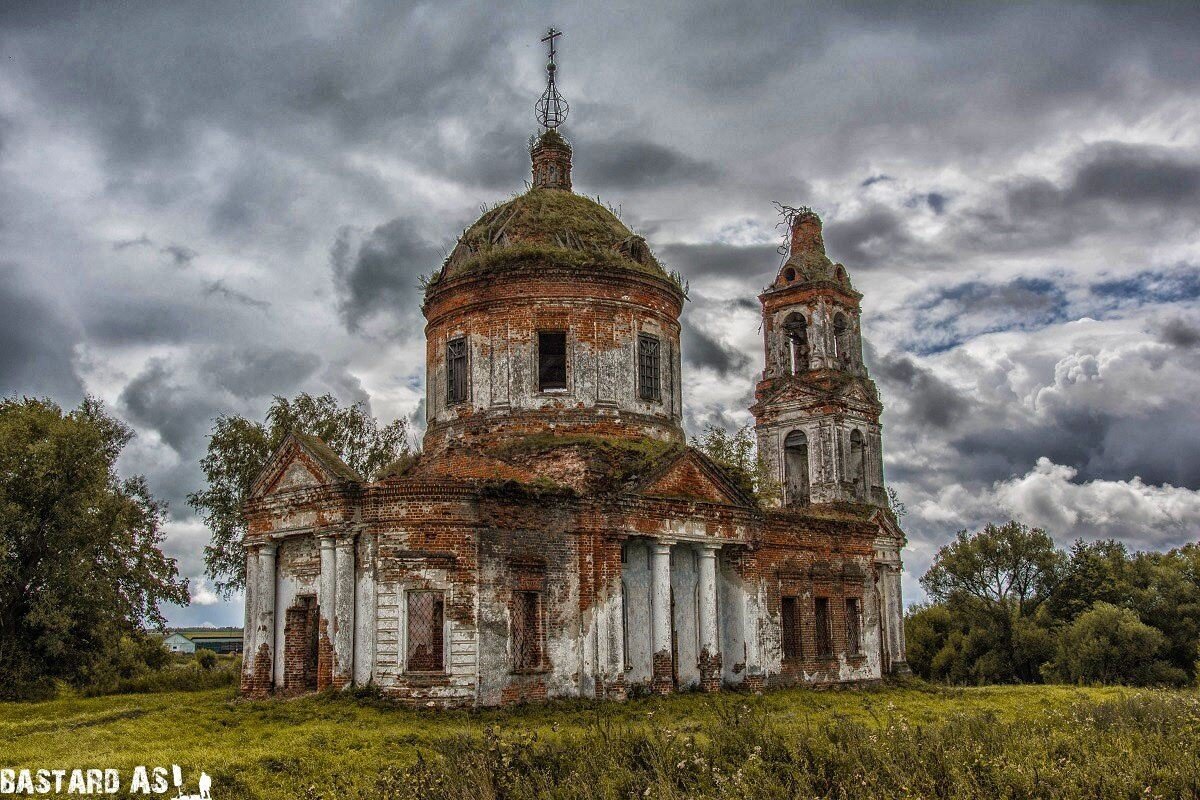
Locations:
{"points": [[841, 338], [527, 631], [853, 626], [824, 628], [795, 466], [791, 628], [552, 360], [426, 651], [795, 328], [857, 466], [456, 371], [649, 368]]}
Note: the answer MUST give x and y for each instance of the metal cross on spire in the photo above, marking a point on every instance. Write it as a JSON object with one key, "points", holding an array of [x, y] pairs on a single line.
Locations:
{"points": [[551, 109]]}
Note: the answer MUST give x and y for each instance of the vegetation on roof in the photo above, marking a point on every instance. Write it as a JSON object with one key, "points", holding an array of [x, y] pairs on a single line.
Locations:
{"points": [[328, 457], [614, 461], [546, 226]]}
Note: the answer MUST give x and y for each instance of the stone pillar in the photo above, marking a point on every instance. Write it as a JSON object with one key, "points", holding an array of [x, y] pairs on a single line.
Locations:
{"points": [[616, 688], [343, 613], [663, 681], [325, 601], [262, 679], [895, 622], [710, 655], [250, 631]]}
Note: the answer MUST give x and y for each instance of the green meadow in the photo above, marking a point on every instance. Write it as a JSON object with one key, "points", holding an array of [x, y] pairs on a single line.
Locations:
{"points": [[911, 741]]}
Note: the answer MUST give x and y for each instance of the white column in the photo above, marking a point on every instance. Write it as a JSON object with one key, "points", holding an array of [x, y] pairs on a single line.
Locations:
{"points": [[266, 601], [343, 612], [896, 623], [660, 597], [708, 598], [325, 593], [710, 656], [663, 680], [250, 631]]}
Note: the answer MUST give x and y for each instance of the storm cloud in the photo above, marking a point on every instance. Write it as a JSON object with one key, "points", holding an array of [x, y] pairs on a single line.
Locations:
{"points": [[204, 205]]}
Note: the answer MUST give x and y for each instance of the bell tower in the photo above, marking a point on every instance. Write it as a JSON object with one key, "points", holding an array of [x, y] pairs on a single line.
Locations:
{"points": [[816, 411]]}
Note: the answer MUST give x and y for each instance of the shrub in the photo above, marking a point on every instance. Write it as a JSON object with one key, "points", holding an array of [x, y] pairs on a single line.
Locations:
{"points": [[1109, 644], [206, 659]]}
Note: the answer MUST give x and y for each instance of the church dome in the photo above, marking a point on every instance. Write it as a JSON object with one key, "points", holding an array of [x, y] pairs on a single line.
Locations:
{"points": [[548, 226]]}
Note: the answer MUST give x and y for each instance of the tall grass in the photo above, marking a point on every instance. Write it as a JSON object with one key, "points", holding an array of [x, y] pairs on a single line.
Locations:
{"points": [[1143, 745]]}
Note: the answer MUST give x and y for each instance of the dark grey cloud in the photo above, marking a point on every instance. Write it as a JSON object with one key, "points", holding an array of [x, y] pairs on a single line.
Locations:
{"points": [[141, 241], [249, 374], [36, 344], [755, 263], [219, 288], [180, 255], [620, 160], [703, 351], [870, 239], [1133, 174], [920, 398], [1179, 332], [383, 274], [157, 400]]}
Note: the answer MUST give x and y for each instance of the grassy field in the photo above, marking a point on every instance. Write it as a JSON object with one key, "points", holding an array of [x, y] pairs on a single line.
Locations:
{"points": [[886, 742]]}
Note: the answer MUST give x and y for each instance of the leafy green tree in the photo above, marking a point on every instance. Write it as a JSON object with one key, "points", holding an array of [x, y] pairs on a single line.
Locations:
{"points": [[1109, 644], [238, 449], [737, 452], [81, 568], [1093, 572], [992, 583], [1166, 596], [1010, 565]]}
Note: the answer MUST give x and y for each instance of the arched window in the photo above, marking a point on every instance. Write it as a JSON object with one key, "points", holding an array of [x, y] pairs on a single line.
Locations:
{"points": [[841, 338], [795, 328], [795, 467], [856, 469]]}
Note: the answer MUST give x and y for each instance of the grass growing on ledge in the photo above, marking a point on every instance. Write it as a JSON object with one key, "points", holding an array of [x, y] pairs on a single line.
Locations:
{"points": [[997, 742]]}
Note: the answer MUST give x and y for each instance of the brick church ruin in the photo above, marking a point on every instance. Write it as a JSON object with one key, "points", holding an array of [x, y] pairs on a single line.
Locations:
{"points": [[557, 537]]}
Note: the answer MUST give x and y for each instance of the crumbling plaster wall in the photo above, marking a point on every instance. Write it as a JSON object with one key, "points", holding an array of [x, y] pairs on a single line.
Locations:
{"points": [[602, 320]]}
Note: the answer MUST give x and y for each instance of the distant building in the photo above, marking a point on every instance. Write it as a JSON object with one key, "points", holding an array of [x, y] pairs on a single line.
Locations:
{"points": [[178, 643], [219, 640]]}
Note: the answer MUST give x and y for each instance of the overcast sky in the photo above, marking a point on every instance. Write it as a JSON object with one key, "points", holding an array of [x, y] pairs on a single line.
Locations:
{"points": [[204, 204]]}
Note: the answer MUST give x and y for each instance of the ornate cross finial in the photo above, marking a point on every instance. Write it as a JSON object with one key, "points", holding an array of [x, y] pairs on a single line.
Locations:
{"points": [[551, 109]]}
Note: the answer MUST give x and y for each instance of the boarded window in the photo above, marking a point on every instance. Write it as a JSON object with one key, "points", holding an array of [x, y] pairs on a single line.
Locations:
{"points": [[649, 368], [552, 360], [791, 629], [853, 626], [824, 628], [527, 631], [456, 371], [425, 646]]}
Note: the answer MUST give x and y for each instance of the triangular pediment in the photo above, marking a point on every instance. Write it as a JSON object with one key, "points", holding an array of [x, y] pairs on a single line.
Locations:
{"points": [[300, 462], [693, 476], [794, 392], [856, 393]]}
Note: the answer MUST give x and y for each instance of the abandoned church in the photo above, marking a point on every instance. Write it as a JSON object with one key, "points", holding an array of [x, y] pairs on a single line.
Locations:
{"points": [[556, 536]]}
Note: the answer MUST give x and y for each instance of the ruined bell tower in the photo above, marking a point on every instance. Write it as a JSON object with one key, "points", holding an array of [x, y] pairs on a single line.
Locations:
{"points": [[816, 411]]}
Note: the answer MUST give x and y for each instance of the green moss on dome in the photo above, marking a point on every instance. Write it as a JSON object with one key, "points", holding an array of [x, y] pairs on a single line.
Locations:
{"points": [[548, 226]]}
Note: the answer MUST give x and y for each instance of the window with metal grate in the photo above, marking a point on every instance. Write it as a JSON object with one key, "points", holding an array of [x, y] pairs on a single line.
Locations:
{"points": [[426, 651], [649, 368]]}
